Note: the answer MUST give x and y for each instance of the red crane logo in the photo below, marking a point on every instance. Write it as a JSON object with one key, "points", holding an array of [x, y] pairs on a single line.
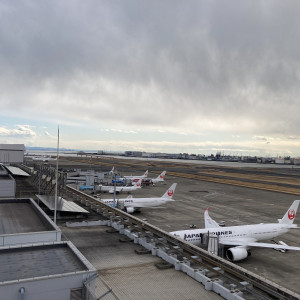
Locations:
{"points": [[291, 214]]}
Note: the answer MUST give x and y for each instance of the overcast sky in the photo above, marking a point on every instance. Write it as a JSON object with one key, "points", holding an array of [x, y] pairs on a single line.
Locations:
{"points": [[158, 76]]}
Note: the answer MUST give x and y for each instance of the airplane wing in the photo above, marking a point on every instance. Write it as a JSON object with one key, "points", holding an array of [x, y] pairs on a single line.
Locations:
{"points": [[150, 207], [274, 246], [237, 242], [156, 207], [252, 243]]}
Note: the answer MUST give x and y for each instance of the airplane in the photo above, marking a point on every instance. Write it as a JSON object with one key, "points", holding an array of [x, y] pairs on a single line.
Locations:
{"points": [[280, 243], [110, 172], [136, 177], [43, 158], [135, 204], [239, 239], [120, 189], [159, 178]]}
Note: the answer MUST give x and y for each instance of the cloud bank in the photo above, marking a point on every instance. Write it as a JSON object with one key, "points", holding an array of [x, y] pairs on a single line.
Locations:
{"points": [[201, 67]]}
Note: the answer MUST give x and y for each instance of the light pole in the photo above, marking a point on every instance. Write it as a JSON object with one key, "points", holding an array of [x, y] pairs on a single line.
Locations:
{"points": [[56, 178], [114, 189], [40, 171]]}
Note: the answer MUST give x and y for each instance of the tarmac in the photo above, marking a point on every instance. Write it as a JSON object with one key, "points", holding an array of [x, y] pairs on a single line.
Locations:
{"points": [[235, 206], [130, 275], [133, 276]]}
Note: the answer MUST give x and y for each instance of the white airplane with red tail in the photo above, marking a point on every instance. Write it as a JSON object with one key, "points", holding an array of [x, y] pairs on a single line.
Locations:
{"points": [[132, 178], [121, 189], [238, 240], [159, 178], [131, 204]]}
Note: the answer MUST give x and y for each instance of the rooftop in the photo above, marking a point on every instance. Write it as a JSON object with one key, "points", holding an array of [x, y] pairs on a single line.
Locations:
{"points": [[18, 147], [20, 216], [16, 171], [62, 204], [36, 261]]}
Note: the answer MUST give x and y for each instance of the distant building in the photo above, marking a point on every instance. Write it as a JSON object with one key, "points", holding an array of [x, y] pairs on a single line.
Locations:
{"points": [[148, 155], [134, 153], [297, 161], [7, 184], [279, 160], [12, 153]]}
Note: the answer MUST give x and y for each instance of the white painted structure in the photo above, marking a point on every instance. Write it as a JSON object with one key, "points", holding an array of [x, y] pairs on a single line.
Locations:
{"points": [[12, 153], [44, 271], [279, 161], [7, 186], [297, 161], [24, 222]]}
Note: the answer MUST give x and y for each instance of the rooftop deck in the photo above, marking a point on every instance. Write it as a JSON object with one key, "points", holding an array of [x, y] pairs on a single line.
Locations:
{"points": [[37, 261], [20, 217]]}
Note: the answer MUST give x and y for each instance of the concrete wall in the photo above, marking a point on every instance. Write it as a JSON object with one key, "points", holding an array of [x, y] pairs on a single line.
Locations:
{"points": [[29, 238], [11, 156], [297, 161], [56, 287], [7, 186], [53, 234], [50, 287]]}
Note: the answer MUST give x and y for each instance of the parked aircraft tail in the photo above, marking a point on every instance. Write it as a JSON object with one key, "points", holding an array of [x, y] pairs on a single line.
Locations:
{"points": [[146, 174], [209, 222], [170, 192], [138, 183], [161, 176], [290, 215]]}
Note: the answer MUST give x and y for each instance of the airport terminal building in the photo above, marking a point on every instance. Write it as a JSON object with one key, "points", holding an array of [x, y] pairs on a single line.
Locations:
{"points": [[12, 153]]}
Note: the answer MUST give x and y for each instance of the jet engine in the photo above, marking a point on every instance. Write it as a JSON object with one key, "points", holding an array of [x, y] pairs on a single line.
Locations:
{"points": [[130, 210], [236, 253]]}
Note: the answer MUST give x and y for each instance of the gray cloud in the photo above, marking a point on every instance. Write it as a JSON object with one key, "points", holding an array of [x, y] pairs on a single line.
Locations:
{"points": [[165, 64], [20, 131]]}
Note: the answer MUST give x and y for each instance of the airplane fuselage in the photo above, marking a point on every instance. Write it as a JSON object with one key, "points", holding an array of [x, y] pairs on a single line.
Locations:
{"points": [[137, 202], [119, 189], [256, 232]]}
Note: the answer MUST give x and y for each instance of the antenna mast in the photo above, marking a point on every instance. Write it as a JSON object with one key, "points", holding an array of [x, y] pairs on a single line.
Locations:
{"points": [[56, 177]]}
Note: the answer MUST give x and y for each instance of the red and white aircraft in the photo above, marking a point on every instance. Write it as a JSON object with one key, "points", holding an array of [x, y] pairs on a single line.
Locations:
{"points": [[131, 204], [119, 189], [239, 239], [159, 178], [132, 178]]}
